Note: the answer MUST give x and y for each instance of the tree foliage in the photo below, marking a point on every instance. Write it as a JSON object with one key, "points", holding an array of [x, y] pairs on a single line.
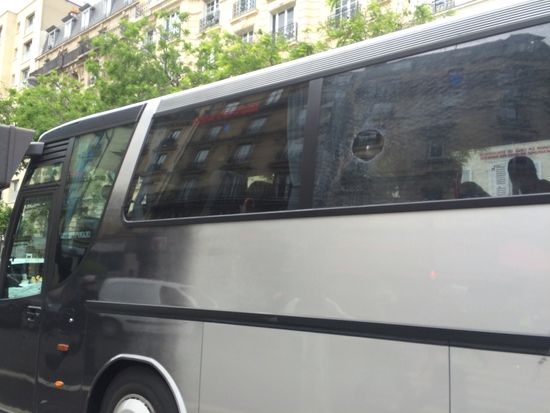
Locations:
{"points": [[56, 98], [153, 57], [140, 61], [5, 212], [222, 55], [7, 107], [373, 21]]}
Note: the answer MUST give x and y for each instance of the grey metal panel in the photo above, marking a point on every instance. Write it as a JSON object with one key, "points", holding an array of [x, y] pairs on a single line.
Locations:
{"points": [[250, 370], [394, 45], [493, 382], [456, 268]]}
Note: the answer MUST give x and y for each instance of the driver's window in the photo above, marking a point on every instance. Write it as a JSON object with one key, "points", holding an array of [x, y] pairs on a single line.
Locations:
{"points": [[28, 250]]}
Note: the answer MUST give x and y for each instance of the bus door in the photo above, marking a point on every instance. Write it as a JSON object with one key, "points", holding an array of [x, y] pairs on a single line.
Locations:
{"points": [[25, 264]]}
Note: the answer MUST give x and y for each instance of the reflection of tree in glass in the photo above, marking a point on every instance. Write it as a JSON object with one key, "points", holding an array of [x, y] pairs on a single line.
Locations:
{"points": [[32, 228]]}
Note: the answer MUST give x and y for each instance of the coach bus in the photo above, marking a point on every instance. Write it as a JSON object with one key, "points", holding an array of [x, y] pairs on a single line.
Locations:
{"points": [[363, 230]]}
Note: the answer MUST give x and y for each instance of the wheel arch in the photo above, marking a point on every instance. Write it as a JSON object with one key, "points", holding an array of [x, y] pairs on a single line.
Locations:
{"points": [[118, 363]]}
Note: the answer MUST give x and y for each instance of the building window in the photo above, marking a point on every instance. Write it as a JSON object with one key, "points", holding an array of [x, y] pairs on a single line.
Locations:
{"points": [[158, 162], [212, 6], [283, 23], [27, 49], [243, 6], [52, 37], [248, 37], [255, 125], [161, 158], [230, 108], [174, 134], [107, 4], [274, 97], [212, 15], [29, 23], [68, 29], [214, 132], [442, 5], [242, 153], [344, 9], [25, 73], [172, 23], [85, 19], [200, 157], [150, 37]]}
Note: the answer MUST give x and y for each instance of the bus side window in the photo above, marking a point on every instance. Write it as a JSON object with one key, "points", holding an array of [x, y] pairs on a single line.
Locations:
{"points": [[230, 157], [28, 250], [455, 123], [94, 163]]}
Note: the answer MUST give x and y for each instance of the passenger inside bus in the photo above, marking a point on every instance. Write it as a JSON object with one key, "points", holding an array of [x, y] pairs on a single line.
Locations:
{"points": [[261, 197], [524, 178]]}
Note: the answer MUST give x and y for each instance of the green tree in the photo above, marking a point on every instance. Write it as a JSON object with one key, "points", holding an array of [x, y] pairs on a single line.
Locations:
{"points": [[142, 60], [373, 21], [5, 212], [222, 55], [422, 14], [7, 107], [55, 99]]}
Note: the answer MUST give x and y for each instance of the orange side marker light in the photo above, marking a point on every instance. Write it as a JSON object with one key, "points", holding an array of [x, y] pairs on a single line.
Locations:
{"points": [[59, 384], [63, 347]]}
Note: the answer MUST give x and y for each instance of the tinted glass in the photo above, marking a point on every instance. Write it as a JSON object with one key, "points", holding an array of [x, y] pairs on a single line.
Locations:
{"points": [[28, 251], [236, 156], [93, 168], [462, 122], [45, 174]]}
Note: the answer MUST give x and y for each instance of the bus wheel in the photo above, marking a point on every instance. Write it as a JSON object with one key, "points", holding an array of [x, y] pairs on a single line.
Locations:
{"points": [[138, 390]]}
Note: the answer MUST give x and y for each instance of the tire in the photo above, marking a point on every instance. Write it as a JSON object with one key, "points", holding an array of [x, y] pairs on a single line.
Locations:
{"points": [[138, 390]]}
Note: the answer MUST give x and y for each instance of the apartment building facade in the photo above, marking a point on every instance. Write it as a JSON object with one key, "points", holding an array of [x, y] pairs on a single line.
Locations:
{"points": [[67, 41], [22, 34]]}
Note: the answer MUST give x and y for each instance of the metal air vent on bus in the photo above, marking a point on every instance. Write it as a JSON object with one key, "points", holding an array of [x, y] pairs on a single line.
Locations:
{"points": [[55, 150]]}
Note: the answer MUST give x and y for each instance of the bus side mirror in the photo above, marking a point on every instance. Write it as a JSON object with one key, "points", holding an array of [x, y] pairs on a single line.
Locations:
{"points": [[14, 143]]}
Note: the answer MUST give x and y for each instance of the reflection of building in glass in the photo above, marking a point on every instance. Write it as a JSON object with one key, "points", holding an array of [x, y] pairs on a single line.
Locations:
{"points": [[221, 150], [433, 112]]}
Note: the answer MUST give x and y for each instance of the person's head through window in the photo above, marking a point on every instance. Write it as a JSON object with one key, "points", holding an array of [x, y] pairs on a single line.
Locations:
{"points": [[524, 178], [260, 198]]}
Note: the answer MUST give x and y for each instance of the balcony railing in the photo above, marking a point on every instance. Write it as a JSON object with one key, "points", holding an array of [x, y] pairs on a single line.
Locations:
{"points": [[289, 31], [243, 6], [439, 6], [211, 19], [63, 60]]}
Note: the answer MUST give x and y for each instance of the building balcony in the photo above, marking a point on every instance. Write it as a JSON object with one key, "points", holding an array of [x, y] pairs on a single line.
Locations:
{"points": [[439, 6], [290, 31], [243, 6], [211, 19], [63, 60]]}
